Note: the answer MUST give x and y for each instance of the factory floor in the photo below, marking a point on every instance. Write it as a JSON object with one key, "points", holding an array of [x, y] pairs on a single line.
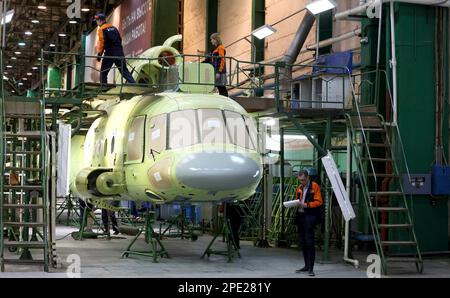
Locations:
{"points": [[102, 258]]}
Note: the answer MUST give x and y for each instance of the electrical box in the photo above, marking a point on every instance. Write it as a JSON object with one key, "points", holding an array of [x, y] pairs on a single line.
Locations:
{"points": [[417, 184], [440, 177], [330, 91]]}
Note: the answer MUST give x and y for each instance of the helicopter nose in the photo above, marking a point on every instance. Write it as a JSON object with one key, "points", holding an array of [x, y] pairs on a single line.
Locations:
{"points": [[218, 171]]}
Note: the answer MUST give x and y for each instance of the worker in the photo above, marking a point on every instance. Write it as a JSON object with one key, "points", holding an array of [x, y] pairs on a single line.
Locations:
{"points": [[110, 44], [109, 214], [216, 58], [233, 215], [307, 216]]}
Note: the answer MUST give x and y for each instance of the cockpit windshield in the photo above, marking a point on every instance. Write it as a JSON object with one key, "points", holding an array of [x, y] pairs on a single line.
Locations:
{"points": [[207, 126]]}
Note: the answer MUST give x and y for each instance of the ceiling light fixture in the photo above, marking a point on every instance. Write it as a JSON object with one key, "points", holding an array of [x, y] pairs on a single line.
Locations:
{"points": [[85, 9], [29, 74], [72, 21], [13, 58], [319, 6], [34, 68], [22, 44], [24, 79], [35, 21], [8, 66], [263, 31], [42, 6], [52, 45], [17, 53], [28, 33], [62, 34]]}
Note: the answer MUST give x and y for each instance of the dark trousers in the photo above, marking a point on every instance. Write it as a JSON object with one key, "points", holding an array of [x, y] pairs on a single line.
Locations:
{"points": [[235, 225], [108, 214], [121, 64], [306, 225]]}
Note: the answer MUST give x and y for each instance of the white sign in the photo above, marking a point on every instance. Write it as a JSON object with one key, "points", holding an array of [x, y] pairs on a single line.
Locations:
{"points": [[63, 159], [338, 187]]}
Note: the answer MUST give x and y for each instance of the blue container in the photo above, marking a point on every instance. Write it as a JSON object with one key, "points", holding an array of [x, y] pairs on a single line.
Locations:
{"points": [[339, 59], [440, 180]]}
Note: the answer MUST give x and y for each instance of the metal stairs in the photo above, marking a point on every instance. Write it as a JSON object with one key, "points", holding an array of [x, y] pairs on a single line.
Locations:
{"points": [[381, 184], [24, 222]]}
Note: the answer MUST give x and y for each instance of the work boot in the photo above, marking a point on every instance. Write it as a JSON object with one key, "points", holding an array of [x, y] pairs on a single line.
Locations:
{"points": [[302, 270], [311, 273]]}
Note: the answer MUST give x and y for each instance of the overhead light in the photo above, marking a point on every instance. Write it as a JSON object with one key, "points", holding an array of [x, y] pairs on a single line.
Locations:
{"points": [[42, 6], [39, 59], [8, 16], [17, 53], [35, 21], [22, 44], [29, 74], [319, 6], [34, 68], [5, 78], [85, 9], [24, 79], [28, 33], [263, 31], [52, 45], [72, 21], [8, 66], [20, 84], [13, 58], [62, 34], [5, 72]]}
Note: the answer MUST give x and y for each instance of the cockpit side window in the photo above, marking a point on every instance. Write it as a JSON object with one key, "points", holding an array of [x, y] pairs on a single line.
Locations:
{"points": [[238, 131], [157, 141], [135, 140]]}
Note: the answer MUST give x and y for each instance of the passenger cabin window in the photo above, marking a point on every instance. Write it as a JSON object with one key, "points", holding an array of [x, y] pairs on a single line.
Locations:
{"points": [[212, 126], [183, 129], [135, 143], [238, 130], [157, 134]]}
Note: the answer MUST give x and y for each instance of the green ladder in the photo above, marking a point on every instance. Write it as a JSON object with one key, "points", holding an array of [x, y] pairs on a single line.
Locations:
{"points": [[388, 209], [24, 188]]}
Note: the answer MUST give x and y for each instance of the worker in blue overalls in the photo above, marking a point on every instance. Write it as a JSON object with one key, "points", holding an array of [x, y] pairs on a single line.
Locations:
{"points": [[110, 44]]}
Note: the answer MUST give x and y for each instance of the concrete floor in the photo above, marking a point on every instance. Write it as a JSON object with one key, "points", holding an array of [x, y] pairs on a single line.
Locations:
{"points": [[101, 258]]}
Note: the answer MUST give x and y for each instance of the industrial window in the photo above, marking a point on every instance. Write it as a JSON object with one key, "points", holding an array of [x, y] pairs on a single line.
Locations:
{"points": [[157, 134], [135, 140], [183, 129], [212, 126], [238, 131]]}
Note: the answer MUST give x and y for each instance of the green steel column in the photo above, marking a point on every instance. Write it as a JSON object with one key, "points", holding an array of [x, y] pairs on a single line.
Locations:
{"points": [[282, 235], [258, 20], [81, 65], [326, 236], [212, 8], [2, 99]]}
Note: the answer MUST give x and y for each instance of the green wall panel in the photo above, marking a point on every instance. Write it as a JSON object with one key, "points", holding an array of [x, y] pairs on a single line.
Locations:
{"points": [[165, 20], [415, 34]]}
